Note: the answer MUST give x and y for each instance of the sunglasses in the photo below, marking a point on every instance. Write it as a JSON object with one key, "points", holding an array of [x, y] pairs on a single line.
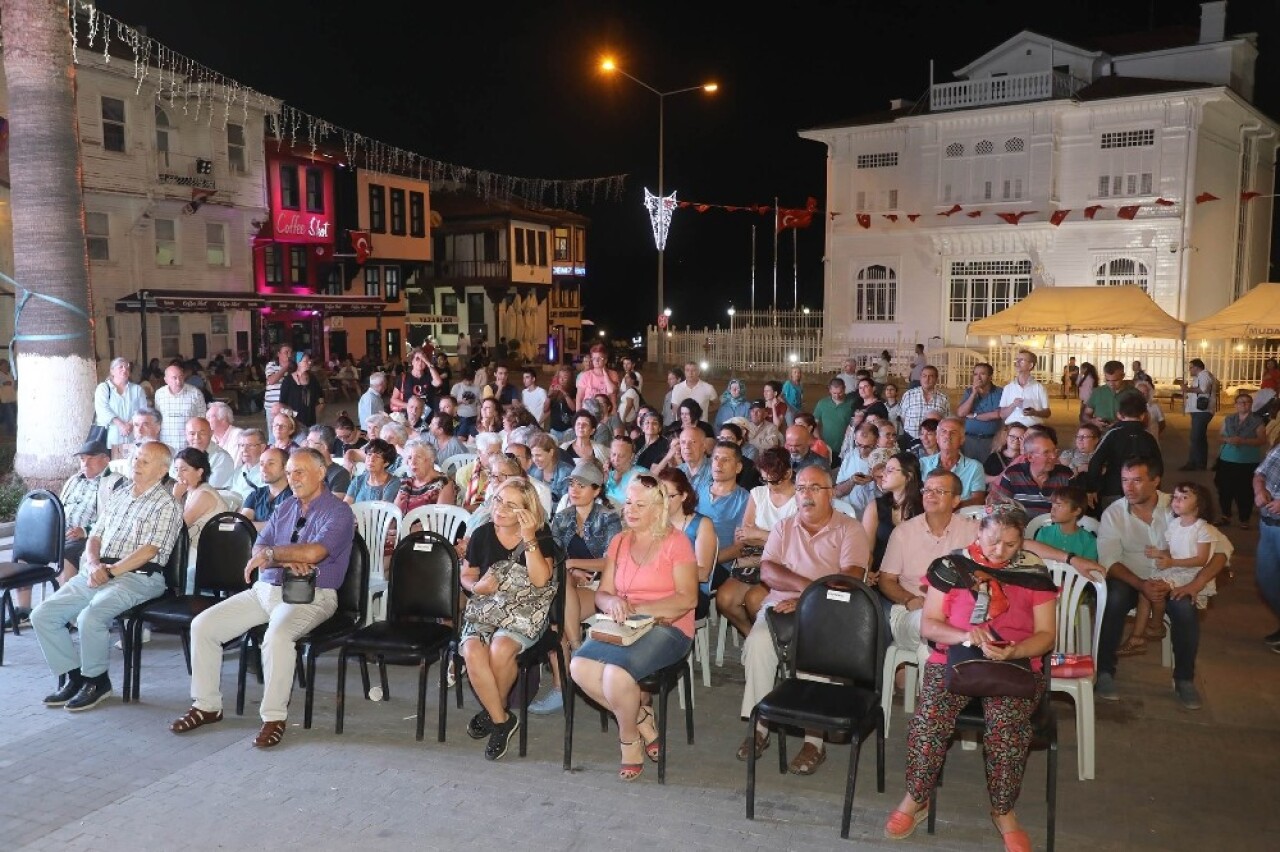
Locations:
{"points": [[297, 529]]}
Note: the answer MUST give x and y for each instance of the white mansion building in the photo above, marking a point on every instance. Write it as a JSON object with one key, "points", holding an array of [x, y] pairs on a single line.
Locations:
{"points": [[1123, 142]]}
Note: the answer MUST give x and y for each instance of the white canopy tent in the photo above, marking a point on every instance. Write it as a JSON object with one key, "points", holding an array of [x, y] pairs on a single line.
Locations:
{"points": [[1082, 310], [1255, 314]]}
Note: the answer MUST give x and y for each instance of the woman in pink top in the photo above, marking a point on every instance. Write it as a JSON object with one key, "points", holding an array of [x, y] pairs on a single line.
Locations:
{"points": [[596, 379], [996, 596], [650, 569]]}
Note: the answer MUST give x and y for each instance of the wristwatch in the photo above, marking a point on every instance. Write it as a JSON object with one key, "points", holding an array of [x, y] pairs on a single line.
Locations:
{"points": [[271, 555], [1070, 556]]}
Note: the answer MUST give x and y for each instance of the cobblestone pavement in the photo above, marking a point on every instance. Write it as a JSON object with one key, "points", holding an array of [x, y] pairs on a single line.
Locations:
{"points": [[115, 778]]}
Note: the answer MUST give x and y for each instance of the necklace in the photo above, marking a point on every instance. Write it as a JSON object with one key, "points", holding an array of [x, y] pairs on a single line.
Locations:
{"points": [[635, 565]]}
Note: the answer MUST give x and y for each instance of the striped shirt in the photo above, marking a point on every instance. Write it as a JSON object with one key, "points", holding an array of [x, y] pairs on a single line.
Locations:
{"points": [[128, 523], [916, 409], [80, 498], [176, 409], [1018, 484]]}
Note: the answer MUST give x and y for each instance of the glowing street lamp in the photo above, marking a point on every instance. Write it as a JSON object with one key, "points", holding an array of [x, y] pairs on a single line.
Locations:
{"points": [[660, 207]]}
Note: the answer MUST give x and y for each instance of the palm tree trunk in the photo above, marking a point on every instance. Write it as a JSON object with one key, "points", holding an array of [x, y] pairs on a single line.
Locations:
{"points": [[55, 368]]}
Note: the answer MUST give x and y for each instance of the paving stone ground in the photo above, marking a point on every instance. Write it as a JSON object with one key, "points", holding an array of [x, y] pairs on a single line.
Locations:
{"points": [[115, 779]]}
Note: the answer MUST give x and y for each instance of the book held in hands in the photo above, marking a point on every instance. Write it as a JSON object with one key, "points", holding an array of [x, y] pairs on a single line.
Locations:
{"points": [[605, 629]]}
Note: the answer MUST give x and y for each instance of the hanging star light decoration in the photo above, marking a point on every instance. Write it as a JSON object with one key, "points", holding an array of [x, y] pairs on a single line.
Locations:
{"points": [[660, 210]]}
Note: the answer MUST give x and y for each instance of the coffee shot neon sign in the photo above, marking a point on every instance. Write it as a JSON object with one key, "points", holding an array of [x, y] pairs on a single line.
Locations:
{"points": [[296, 225]]}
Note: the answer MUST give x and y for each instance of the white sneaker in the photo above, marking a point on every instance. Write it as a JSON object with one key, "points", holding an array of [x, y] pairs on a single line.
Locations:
{"points": [[146, 637]]}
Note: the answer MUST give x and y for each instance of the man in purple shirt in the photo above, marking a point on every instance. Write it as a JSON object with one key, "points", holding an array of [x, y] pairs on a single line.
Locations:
{"points": [[311, 531]]}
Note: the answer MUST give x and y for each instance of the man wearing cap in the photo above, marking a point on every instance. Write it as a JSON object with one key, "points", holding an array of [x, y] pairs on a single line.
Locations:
{"points": [[122, 566], [82, 496]]}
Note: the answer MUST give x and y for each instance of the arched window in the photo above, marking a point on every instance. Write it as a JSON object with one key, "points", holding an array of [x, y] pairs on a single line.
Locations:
{"points": [[983, 147], [876, 294], [163, 131], [1013, 146], [955, 149], [1122, 272]]}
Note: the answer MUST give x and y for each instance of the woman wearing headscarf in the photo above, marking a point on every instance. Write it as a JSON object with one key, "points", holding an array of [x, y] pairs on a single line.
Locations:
{"points": [[733, 403]]}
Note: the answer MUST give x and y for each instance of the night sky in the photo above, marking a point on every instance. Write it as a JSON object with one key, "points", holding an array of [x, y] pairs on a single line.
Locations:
{"points": [[513, 88]]}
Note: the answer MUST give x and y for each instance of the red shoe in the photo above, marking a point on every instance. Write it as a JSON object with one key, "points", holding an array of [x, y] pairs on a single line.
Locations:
{"points": [[901, 825], [1014, 841]]}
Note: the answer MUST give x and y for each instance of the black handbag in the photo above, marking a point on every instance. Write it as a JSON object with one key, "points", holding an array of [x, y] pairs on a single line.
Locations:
{"points": [[1202, 403], [970, 673]]}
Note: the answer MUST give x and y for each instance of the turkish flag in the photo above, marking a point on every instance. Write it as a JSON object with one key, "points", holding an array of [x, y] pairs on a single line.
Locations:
{"points": [[1205, 196], [955, 208], [974, 214], [892, 217], [1058, 216], [1164, 202], [1092, 210], [362, 243], [1128, 211], [1249, 195], [793, 219], [913, 216], [703, 208], [864, 219], [1014, 218], [811, 204]]}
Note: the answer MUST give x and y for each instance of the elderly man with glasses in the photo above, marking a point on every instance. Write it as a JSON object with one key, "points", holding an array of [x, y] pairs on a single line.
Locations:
{"points": [[973, 480], [1033, 482], [247, 475], [809, 545]]}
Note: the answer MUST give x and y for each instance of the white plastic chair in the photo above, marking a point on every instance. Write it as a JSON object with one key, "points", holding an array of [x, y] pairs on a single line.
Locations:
{"points": [[233, 499], [119, 466], [1041, 521], [451, 464], [895, 656], [374, 519], [978, 512], [1071, 586], [844, 507], [437, 517]]}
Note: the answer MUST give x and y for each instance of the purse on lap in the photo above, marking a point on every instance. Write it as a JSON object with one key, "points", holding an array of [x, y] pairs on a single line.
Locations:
{"points": [[969, 672]]}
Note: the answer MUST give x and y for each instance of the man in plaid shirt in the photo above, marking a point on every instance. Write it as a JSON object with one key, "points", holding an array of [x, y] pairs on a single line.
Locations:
{"points": [[918, 404], [177, 403], [122, 566]]}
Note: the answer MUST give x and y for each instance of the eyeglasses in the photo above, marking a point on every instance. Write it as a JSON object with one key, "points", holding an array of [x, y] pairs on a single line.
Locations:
{"points": [[297, 529], [936, 492], [811, 489]]}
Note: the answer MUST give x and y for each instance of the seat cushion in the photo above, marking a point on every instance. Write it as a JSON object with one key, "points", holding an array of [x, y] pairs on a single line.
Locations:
{"points": [[24, 574], [399, 637], [813, 704]]}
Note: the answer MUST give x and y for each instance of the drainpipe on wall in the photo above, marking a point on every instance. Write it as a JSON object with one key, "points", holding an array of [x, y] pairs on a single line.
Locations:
{"points": [[1188, 200]]}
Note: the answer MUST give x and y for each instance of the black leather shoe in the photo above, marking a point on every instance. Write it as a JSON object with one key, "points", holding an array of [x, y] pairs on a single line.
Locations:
{"points": [[66, 692], [91, 694]]}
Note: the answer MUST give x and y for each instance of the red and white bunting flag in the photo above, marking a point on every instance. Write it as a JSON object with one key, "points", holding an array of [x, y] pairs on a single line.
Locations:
{"points": [[1058, 216], [1128, 211], [864, 219], [1205, 196], [974, 214], [913, 216], [955, 208], [892, 217], [1164, 202], [793, 219], [1249, 195], [362, 243], [1092, 210]]}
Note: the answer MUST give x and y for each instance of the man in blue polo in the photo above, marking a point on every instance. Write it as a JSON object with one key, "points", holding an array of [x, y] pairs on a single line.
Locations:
{"points": [[724, 502], [312, 531], [980, 408], [972, 478]]}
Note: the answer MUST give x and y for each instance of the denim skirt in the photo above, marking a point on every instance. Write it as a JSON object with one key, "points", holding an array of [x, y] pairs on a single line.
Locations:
{"points": [[657, 649]]}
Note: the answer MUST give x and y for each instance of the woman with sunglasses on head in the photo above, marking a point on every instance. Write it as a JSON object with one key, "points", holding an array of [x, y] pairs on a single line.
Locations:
{"points": [[650, 569], [583, 445], [900, 501], [740, 597], [653, 446]]}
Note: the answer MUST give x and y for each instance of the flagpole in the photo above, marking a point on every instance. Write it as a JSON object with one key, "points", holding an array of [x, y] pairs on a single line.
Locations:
{"points": [[753, 268], [775, 253], [795, 270]]}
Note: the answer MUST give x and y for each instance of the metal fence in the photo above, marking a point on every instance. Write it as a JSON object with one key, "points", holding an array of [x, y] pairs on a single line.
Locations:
{"points": [[767, 343]]}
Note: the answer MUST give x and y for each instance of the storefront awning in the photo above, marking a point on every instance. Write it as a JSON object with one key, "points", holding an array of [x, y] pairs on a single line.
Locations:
{"points": [[216, 302]]}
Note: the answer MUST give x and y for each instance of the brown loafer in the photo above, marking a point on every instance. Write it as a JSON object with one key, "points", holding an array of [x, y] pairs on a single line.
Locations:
{"points": [[194, 718], [270, 735], [807, 761]]}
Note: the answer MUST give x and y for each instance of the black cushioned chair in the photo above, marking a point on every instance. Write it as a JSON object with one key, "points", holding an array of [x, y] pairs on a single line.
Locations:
{"points": [[353, 600], [422, 603], [38, 534], [225, 547], [547, 647], [839, 637], [660, 683], [1044, 733], [175, 581]]}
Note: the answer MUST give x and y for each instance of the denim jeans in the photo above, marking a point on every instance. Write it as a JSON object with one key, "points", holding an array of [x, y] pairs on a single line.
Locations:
{"points": [[1184, 629], [1199, 454], [1267, 566]]}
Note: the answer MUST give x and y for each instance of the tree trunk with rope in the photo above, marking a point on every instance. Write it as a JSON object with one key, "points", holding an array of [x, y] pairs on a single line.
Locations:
{"points": [[53, 346]]}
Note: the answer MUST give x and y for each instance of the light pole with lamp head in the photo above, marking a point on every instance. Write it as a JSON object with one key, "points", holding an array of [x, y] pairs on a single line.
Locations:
{"points": [[608, 65]]}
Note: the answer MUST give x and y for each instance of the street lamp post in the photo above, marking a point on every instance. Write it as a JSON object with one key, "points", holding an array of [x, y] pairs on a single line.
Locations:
{"points": [[609, 66]]}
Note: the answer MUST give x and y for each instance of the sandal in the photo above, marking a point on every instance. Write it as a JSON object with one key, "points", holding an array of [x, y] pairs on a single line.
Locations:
{"points": [[1156, 632], [629, 771], [270, 735], [195, 718], [759, 741], [1135, 646], [902, 825], [652, 745], [807, 761]]}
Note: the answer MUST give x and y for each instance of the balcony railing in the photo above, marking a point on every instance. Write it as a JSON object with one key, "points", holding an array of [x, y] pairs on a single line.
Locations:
{"points": [[469, 270], [1014, 88]]}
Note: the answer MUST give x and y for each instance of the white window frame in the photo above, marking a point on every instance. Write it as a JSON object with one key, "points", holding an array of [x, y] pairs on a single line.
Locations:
{"points": [[216, 252], [373, 281], [987, 286], [169, 244], [97, 235], [237, 153], [1126, 164], [1120, 268], [166, 133], [878, 160], [170, 335], [123, 124], [219, 333], [983, 171], [875, 293]]}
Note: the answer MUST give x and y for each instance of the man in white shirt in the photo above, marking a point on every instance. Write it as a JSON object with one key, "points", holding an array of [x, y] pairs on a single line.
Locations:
{"points": [[200, 437], [534, 397], [849, 376], [225, 433], [694, 388], [1024, 400], [177, 402], [372, 402], [247, 475]]}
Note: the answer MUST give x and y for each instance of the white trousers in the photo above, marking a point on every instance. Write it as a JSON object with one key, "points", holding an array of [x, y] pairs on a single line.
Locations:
{"points": [[286, 623], [759, 663], [904, 624]]}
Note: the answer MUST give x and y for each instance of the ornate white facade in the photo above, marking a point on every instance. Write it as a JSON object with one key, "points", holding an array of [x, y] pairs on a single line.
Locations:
{"points": [[1037, 126]]}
